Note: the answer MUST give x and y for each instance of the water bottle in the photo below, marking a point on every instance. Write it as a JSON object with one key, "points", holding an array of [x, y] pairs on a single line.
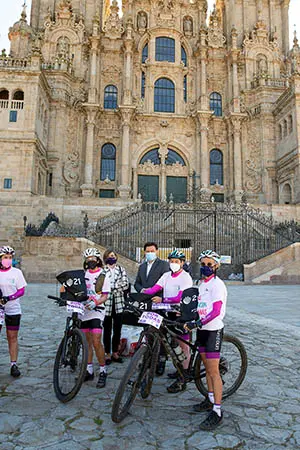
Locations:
{"points": [[179, 353]]}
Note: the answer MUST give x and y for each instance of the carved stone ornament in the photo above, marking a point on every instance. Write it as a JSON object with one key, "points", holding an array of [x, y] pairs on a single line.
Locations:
{"points": [[260, 38], [65, 19], [142, 21], [188, 26], [71, 168], [165, 13], [149, 168], [253, 174], [215, 37], [113, 26]]}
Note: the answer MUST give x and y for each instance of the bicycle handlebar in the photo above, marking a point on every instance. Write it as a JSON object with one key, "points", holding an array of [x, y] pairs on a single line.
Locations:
{"points": [[140, 312], [52, 297]]}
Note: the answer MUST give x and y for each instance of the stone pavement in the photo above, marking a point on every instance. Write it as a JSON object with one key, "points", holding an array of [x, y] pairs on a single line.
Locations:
{"points": [[263, 415]]}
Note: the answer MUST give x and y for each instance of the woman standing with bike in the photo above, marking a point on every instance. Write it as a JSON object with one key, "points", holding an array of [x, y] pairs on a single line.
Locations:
{"points": [[114, 306], [98, 288], [211, 310], [12, 287]]}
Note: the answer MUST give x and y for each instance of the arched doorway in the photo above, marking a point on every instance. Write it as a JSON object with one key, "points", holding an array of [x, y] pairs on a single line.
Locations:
{"points": [[162, 174], [286, 195]]}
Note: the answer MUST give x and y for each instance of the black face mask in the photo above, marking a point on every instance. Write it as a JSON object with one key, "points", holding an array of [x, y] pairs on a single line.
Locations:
{"points": [[91, 264]]}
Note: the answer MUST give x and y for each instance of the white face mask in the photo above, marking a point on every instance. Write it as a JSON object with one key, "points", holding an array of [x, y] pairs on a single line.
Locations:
{"points": [[175, 267]]}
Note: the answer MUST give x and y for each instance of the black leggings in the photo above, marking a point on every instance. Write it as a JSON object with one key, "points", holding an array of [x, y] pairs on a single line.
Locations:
{"points": [[114, 321]]}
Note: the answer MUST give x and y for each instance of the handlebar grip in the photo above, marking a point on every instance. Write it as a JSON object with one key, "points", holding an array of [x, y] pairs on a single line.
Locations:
{"points": [[53, 298]]}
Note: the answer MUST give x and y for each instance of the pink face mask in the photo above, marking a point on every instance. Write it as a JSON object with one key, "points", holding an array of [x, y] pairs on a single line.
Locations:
{"points": [[6, 263]]}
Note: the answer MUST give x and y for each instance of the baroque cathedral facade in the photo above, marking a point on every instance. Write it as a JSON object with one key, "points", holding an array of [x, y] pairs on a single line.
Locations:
{"points": [[156, 101]]}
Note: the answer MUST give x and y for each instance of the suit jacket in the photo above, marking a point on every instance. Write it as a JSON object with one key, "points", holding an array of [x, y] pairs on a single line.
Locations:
{"points": [[158, 268]]}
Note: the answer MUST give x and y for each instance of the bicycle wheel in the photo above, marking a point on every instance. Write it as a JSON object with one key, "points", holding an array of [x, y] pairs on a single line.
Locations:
{"points": [[130, 384], [70, 369], [233, 367], [147, 381]]}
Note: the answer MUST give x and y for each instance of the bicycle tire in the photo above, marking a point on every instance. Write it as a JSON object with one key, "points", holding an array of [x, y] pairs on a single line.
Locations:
{"points": [[76, 345], [135, 368], [228, 387], [150, 372]]}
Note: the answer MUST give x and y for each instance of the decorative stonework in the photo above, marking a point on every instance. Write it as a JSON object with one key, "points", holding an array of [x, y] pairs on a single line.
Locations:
{"points": [[113, 26], [71, 168], [215, 37], [253, 182]]}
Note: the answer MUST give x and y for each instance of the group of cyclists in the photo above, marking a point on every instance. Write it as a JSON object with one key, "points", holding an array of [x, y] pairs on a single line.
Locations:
{"points": [[163, 282]]}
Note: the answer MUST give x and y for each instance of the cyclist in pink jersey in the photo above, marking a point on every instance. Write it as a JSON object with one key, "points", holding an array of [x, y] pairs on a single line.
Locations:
{"points": [[173, 284], [12, 288]]}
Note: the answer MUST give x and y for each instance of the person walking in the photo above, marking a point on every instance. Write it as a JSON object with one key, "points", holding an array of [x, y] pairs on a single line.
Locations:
{"points": [[12, 288], [114, 306]]}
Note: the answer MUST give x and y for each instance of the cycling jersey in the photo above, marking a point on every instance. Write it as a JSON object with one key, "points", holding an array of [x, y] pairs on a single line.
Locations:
{"points": [[173, 285], [90, 280], [212, 303], [11, 281]]}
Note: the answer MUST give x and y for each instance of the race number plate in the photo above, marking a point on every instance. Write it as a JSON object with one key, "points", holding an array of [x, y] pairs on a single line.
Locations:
{"points": [[1, 316], [75, 307], [164, 306], [150, 318]]}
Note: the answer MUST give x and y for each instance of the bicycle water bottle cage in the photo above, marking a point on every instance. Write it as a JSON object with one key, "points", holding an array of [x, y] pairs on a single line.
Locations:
{"points": [[74, 283]]}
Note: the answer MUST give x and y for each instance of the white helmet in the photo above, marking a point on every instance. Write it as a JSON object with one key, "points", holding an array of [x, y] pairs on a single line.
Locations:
{"points": [[91, 251], [210, 254], [6, 250]]}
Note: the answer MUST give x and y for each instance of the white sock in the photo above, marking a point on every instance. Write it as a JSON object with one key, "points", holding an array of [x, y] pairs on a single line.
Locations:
{"points": [[103, 369], [12, 363], [217, 409], [211, 397], [90, 368]]}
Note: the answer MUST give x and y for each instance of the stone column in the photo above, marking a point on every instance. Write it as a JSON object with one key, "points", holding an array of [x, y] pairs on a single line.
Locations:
{"points": [[94, 41], [203, 64], [125, 186], [203, 169], [236, 122], [128, 69], [285, 25], [235, 80], [135, 183], [87, 188]]}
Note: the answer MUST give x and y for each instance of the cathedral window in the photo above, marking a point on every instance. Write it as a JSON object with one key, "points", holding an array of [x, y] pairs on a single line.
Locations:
{"points": [[173, 158], [165, 49], [143, 84], [108, 162], [215, 103], [110, 97], [185, 88], [4, 96], [151, 156], [18, 95], [183, 56], [164, 95], [145, 53], [216, 167]]}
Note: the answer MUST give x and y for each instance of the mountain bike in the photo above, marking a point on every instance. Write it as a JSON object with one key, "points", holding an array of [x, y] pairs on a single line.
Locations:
{"points": [[140, 372], [72, 355]]}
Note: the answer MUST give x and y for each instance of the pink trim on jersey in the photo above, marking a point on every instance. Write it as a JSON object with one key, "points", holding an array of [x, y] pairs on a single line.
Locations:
{"points": [[176, 274], [153, 290], [19, 293], [206, 280], [6, 270], [94, 271], [173, 299], [215, 312]]}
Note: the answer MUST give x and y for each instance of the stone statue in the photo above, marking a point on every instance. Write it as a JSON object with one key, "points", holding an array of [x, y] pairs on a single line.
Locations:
{"points": [[187, 25], [142, 20]]}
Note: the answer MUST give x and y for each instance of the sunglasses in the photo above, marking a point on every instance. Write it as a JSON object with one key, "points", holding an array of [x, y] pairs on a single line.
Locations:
{"points": [[208, 264]]}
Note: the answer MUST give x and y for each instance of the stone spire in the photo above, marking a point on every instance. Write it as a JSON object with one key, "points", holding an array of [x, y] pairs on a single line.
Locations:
{"points": [[20, 35]]}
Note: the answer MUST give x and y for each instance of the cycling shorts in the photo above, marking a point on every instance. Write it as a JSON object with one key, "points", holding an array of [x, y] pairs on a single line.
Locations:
{"points": [[12, 322], [91, 326], [209, 342]]}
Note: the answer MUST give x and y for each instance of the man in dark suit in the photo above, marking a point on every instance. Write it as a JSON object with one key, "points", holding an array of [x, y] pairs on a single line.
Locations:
{"points": [[152, 269], [149, 273]]}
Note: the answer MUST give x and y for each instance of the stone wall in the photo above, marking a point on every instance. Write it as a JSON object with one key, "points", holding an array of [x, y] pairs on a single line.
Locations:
{"points": [[281, 267], [45, 257]]}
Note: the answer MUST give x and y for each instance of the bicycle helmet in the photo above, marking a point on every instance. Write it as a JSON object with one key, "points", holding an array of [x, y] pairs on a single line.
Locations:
{"points": [[91, 251], [6, 250], [210, 254], [177, 254]]}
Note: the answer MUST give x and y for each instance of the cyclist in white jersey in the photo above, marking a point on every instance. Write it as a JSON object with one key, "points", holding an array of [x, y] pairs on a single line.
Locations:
{"points": [[12, 288], [211, 310]]}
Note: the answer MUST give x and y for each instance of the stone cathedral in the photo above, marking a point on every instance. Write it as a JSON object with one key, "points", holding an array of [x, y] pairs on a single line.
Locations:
{"points": [[158, 100]]}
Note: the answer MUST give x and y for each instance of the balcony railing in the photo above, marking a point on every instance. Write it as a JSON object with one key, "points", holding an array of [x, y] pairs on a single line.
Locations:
{"points": [[4, 104], [14, 63], [17, 104], [270, 82]]}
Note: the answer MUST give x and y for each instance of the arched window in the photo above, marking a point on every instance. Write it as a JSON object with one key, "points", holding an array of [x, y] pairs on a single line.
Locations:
{"points": [[165, 49], [290, 124], [18, 95], [183, 56], [108, 162], [286, 194], [173, 158], [280, 131], [4, 94], [285, 128], [143, 84], [145, 53], [110, 97], [152, 156], [164, 95], [185, 88], [215, 103], [216, 167]]}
